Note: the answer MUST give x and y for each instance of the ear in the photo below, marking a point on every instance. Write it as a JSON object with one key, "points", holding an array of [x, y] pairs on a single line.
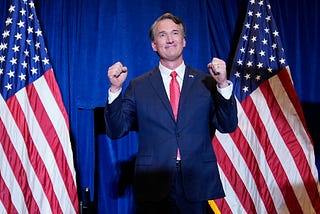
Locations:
{"points": [[154, 46], [184, 42]]}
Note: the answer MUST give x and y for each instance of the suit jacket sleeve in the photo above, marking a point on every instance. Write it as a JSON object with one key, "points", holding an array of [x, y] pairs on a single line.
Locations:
{"points": [[120, 116], [225, 119]]}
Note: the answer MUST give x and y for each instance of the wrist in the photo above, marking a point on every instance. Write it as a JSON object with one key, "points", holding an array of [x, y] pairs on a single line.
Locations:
{"points": [[114, 89], [223, 84]]}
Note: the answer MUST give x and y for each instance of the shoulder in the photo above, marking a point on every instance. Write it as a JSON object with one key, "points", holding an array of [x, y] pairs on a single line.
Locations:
{"points": [[203, 78], [145, 76], [199, 75], [191, 70]]}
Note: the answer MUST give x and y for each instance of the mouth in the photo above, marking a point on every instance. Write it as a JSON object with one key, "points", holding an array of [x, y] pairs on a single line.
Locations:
{"points": [[170, 46]]}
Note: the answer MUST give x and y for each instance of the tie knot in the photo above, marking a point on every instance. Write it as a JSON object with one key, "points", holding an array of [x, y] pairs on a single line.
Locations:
{"points": [[173, 74]]}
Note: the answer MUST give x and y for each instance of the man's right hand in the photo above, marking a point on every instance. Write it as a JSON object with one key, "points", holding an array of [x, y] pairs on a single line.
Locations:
{"points": [[117, 74]]}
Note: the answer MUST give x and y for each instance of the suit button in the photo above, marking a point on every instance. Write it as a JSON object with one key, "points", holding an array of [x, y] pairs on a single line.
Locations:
{"points": [[178, 135]]}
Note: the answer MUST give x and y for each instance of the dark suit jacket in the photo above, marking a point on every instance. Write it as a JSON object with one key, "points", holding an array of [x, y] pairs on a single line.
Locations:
{"points": [[146, 108]]}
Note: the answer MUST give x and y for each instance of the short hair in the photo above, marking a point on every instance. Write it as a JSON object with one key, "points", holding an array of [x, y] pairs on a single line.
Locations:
{"points": [[172, 17]]}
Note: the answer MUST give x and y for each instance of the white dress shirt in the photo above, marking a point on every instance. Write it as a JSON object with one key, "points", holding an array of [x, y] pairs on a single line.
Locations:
{"points": [[226, 92]]}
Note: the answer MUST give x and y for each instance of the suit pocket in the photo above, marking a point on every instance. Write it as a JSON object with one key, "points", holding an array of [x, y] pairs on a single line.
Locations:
{"points": [[144, 160]]}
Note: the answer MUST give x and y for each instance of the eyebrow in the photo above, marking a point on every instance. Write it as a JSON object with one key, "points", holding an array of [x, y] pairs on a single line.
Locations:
{"points": [[168, 32]]}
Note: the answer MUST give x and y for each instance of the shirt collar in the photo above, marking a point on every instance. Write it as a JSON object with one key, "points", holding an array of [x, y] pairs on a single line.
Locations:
{"points": [[166, 71]]}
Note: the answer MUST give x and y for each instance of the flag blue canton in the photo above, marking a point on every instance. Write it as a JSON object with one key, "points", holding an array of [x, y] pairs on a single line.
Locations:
{"points": [[23, 56], [260, 54]]}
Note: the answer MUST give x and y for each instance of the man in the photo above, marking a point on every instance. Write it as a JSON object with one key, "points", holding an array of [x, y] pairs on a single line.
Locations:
{"points": [[176, 169]]}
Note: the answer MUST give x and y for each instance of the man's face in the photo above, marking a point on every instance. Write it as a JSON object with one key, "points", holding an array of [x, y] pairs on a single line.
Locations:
{"points": [[169, 40]]}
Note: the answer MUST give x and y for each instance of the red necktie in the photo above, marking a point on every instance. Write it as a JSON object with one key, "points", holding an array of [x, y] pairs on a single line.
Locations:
{"points": [[174, 94], [174, 98]]}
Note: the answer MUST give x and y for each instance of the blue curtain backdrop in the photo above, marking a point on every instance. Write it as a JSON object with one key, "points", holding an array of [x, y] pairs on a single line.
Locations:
{"points": [[85, 37]]}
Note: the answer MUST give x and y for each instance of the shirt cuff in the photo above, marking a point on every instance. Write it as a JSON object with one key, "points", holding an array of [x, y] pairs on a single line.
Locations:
{"points": [[226, 92], [113, 95]]}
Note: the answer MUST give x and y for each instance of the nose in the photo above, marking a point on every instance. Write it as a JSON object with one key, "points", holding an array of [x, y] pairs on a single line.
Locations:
{"points": [[169, 38]]}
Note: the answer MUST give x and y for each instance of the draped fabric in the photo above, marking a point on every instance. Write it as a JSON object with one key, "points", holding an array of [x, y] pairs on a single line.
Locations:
{"points": [[85, 37]]}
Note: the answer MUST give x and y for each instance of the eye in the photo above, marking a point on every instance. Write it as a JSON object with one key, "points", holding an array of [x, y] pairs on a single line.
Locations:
{"points": [[161, 35], [176, 32]]}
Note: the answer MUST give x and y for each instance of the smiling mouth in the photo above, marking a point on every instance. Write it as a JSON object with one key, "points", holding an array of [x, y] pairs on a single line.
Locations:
{"points": [[170, 46]]}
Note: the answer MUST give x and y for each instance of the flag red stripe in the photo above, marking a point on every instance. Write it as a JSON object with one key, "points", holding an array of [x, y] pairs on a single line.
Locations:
{"points": [[286, 81], [53, 141], [272, 123], [18, 170], [223, 206], [36, 159], [55, 91], [295, 149], [247, 154], [271, 156], [33, 154], [233, 177], [5, 196]]}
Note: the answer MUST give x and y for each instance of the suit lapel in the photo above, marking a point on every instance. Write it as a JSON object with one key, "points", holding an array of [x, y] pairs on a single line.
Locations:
{"points": [[157, 84], [188, 81]]}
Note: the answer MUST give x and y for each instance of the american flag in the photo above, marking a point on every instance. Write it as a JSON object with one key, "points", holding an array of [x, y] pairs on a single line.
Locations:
{"points": [[37, 174], [267, 165]]}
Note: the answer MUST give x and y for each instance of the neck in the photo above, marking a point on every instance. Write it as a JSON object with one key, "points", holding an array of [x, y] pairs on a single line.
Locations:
{"points": [[171, 64]]}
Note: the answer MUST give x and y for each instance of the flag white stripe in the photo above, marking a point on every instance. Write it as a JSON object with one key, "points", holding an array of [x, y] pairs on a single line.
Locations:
{"points": [[232, 198], [2, 209], [295, 123], [56, 117], [44, 151], [20, 147], [280, 148], [241, 167], [37, 126], [248, 131], [12, 184], [302, 137], [275, 138]]}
